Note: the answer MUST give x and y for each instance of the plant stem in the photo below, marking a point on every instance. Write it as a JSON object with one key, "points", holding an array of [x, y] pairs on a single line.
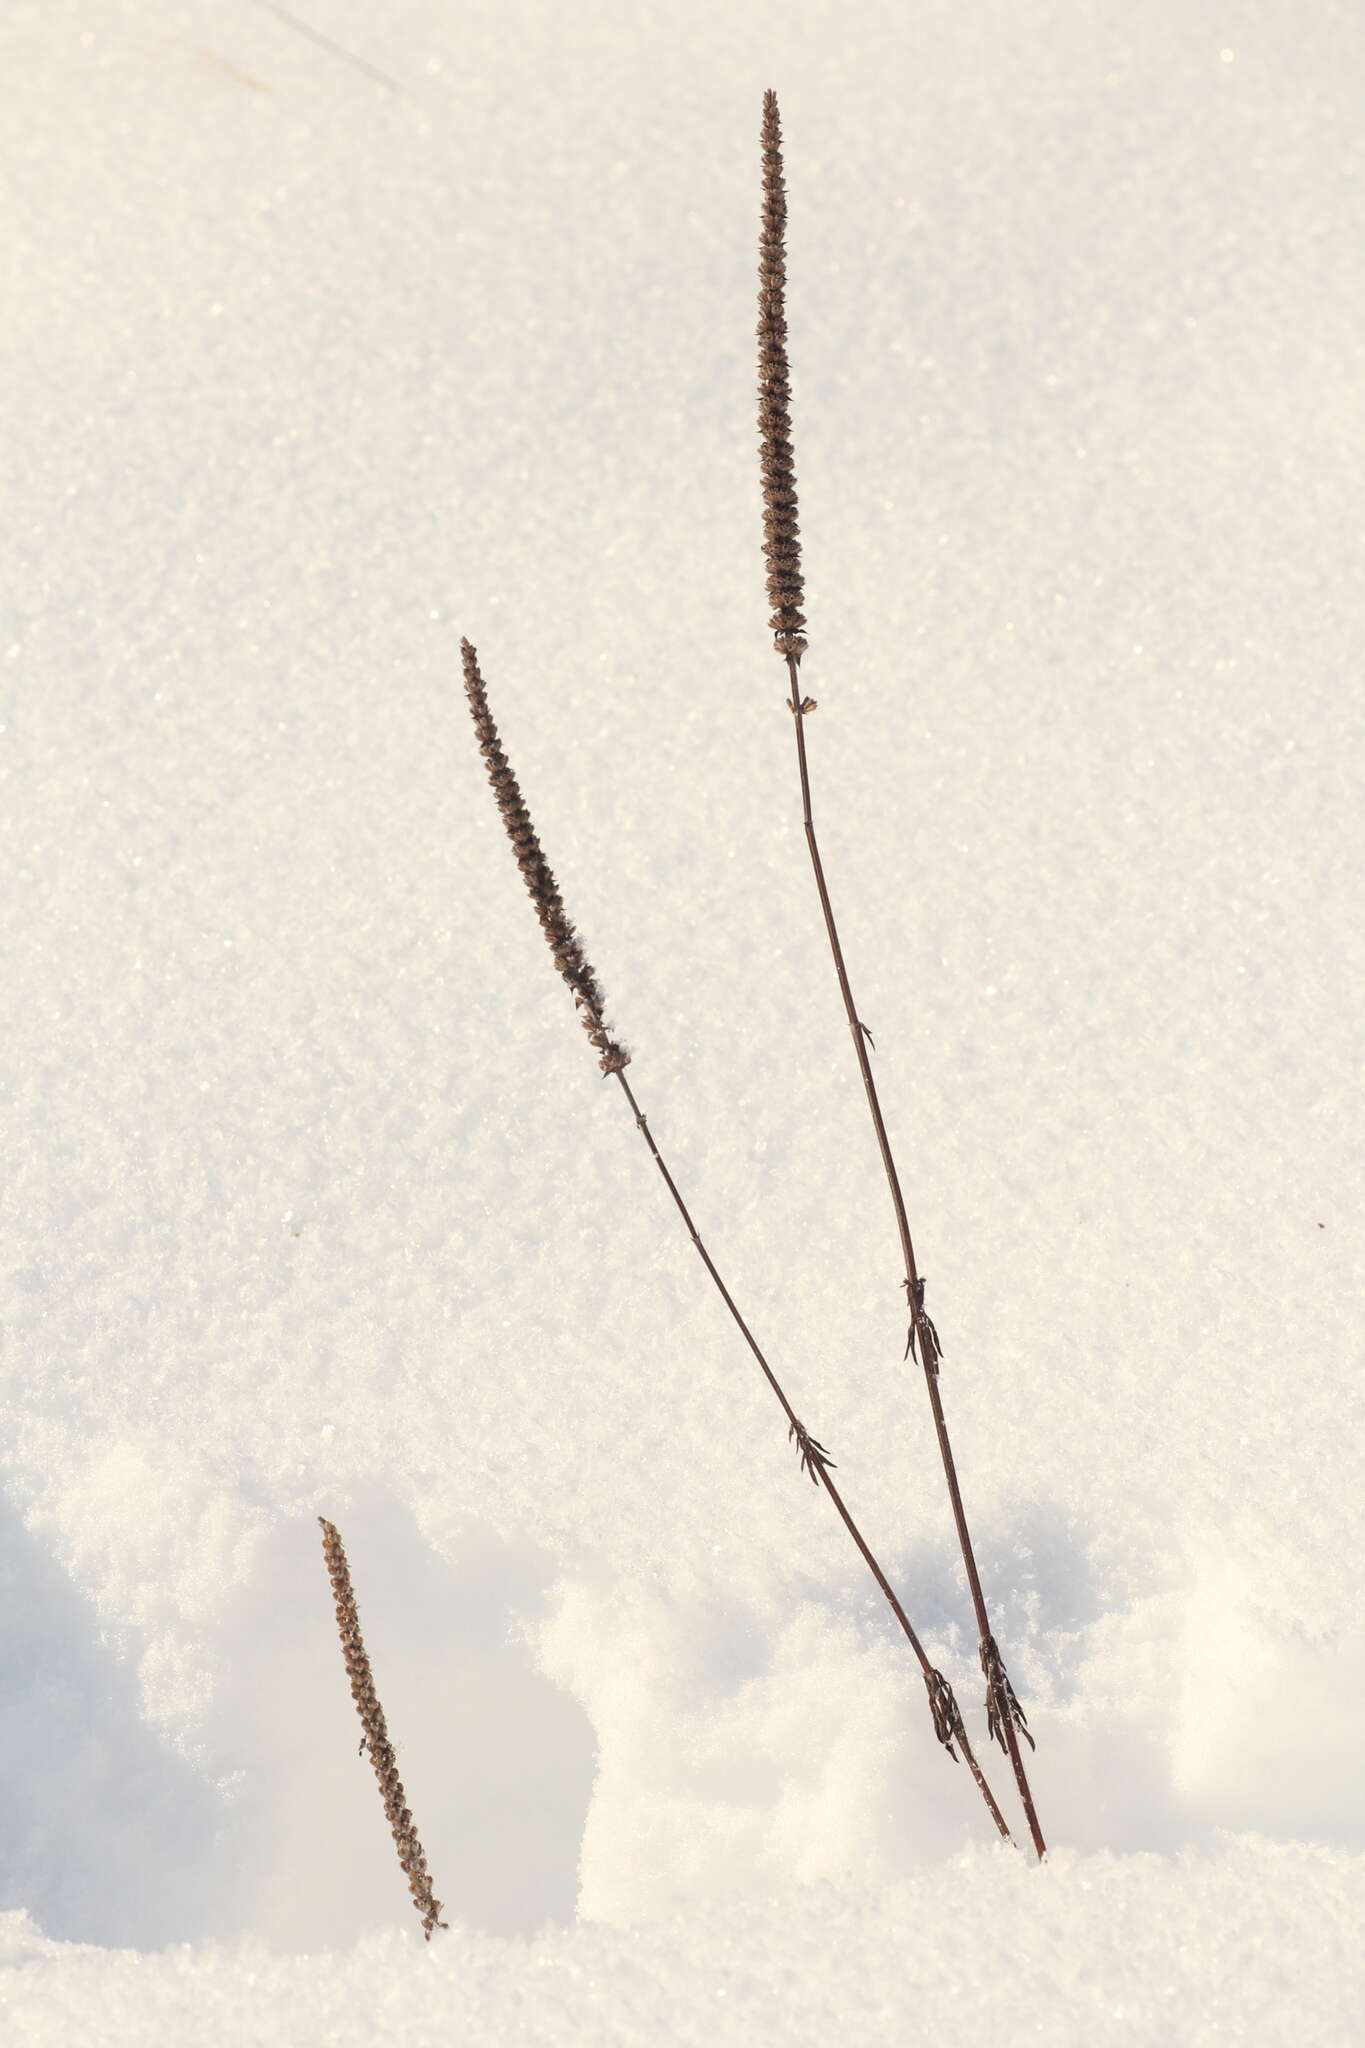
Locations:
{"points": [[1005, 1716], [948, 1724]]}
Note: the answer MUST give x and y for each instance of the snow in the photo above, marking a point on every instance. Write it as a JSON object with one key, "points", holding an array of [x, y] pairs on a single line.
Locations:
{"points": [[1199, 1948], [315, 1202]]}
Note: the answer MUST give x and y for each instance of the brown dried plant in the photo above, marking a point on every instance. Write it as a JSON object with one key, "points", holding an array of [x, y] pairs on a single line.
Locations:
{"points": [[572, 963], [782, 546], [376, 1735]]}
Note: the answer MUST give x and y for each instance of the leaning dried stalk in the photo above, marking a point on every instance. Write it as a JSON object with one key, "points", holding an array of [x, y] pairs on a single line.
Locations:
{"points": [[376, 1736], [814, 1459], [1005, 1716]]}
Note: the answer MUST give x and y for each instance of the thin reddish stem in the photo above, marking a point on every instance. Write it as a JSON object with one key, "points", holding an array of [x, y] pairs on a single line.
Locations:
{"points": [[1004, 1712], [948, 1723]]}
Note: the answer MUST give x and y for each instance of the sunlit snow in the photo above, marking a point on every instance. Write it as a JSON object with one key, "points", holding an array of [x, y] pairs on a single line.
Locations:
{"points": [[334, 333]]}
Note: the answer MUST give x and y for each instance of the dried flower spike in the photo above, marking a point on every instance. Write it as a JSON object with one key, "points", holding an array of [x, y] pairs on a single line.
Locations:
{"points": [[782, 543], [376, 1738], [563, 940]]}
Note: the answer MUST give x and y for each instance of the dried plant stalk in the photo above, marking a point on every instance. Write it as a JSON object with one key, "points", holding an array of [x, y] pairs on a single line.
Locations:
{"points": [[376, 1736], [814, 1459], [1005, 1717]]}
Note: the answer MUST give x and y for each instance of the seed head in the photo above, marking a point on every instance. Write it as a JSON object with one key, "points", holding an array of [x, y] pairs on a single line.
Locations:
{"points": [[782, 545], [563, 940], [376, 1737]]}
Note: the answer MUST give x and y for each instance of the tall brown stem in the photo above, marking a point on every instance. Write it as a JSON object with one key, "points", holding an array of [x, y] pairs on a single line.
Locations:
{"points": [[1005, 1717]]}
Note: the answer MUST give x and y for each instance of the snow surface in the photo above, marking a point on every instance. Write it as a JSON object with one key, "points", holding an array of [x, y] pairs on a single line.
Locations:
{"points": [[314, 1200]]}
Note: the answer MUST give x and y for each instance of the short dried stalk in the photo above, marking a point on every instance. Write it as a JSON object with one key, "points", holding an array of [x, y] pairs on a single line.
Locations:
{"points": [[1005, 1717], [376, 1736], [569, 958]]}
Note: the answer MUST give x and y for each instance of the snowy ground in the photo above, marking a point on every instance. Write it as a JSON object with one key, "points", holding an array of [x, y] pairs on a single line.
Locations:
{"points": [[314, 1200]]}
